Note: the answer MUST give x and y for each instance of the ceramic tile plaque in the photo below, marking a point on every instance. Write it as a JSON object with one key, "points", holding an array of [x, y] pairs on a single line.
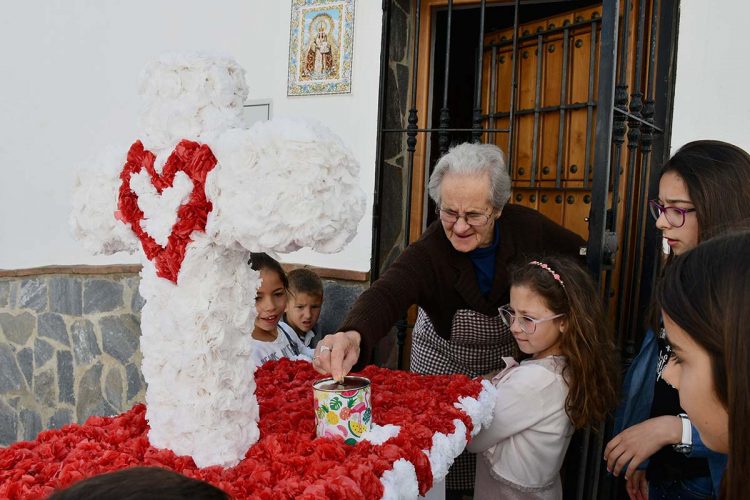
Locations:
{"points": [[321, 37]]}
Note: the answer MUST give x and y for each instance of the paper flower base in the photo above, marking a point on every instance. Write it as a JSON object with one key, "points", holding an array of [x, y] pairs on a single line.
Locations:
{"points": [[288, 461]]}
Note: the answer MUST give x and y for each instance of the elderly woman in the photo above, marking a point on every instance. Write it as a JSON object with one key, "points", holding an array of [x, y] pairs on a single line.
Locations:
{"points": [[457, 273]]}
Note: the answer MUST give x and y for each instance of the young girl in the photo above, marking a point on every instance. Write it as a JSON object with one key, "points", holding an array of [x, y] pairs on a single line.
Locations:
{"points": [[567, 381], [270, 338], [704, 297], [702, 191]]}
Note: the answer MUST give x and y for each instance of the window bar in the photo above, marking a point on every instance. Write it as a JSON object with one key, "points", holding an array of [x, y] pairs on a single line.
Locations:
{"points": [[621, 92], [527, 35], [586, 443], [624, 37], [492, 98], [647, 129], [537, 107], [621, 101], [663, 89], [412, 124], [590, 458], [646, 140], [634, 132], [551, 30], [411, 143], [443, 136], [563, 100], [618, 139], [477, 118], [377, 202], [433, 130], [603, 142], [542, 109], [513, 87], [590, 103]]}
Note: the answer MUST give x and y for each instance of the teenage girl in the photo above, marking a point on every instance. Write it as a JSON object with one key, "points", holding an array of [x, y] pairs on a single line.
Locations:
{"points": [[704, 298], [566, 381], [703, 190]]}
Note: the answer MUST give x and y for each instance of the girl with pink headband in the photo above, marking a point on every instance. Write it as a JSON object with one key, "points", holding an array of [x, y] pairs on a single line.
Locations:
{"points": [[566, 380]]}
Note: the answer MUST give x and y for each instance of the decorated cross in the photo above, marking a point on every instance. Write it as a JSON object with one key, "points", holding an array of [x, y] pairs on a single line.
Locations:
{"points": [[197, 193]]}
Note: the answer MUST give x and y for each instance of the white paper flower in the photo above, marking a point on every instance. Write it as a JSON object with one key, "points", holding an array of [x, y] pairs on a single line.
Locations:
{"points": [[160, 209], [277, 187], [94, 203], [401, 481], [283, 185], [186, 96]]}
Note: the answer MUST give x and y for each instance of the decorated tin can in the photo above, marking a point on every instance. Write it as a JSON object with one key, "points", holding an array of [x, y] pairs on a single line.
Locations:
{"points": [[342, 409]]}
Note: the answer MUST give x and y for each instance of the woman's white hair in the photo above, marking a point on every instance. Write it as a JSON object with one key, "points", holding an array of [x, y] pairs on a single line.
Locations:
{"points": [[474, 159]]}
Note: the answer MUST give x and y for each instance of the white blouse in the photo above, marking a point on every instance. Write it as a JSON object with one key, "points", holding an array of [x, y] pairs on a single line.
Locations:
{"points": [[525, 444], [280, 348]]}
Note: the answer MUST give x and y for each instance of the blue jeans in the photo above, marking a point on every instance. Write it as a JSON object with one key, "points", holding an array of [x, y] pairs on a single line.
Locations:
{"points": [[686, 489]]}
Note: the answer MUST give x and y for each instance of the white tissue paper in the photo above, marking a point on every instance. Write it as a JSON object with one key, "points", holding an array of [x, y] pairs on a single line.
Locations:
{"points": [[277, 187]]}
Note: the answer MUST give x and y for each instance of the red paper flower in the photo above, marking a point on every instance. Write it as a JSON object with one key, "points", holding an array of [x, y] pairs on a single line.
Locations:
{"points": [[287, 462], [196, 160]]}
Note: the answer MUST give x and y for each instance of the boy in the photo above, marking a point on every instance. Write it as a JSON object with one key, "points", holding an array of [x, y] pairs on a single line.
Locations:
{"points": [[305, 301]]}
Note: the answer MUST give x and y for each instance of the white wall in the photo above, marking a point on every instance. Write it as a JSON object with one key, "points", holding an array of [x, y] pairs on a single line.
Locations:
{"points": [[712, 73], [68, 90]]}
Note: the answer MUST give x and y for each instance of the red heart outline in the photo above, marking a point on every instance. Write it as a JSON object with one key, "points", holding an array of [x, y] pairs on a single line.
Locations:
{"points": [[196, 160]]}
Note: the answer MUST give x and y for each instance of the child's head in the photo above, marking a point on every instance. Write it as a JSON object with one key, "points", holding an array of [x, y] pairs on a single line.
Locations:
{"points": [[140, 482], [704, 298], [543, 288], [270, 298], [305, 300], [708, 179], [555, 309]]}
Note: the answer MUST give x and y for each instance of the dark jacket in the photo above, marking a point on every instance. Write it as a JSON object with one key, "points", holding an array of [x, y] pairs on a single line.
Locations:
{"points": [[638, 396], [441, 280]]}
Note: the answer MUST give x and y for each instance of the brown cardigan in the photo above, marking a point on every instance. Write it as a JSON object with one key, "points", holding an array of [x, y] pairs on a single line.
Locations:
{"points": [[433, 275]]}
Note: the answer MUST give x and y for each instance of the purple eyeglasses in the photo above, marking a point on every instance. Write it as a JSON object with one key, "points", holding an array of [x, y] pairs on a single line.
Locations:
{"points": [[675, 215]]}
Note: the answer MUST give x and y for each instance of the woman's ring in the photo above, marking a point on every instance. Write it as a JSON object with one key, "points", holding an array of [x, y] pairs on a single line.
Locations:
{"points": [[325, 348]]}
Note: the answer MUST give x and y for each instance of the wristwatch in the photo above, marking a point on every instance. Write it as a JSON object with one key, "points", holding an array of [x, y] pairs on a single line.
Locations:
{"points": [[685, 446]]}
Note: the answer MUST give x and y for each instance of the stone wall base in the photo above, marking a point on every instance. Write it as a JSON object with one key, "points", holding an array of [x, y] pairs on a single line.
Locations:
{"points": [[69, 347]]}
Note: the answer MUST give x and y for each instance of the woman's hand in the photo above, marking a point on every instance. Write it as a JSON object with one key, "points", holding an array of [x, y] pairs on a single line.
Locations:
{"points": [[337, 353], [637, 443], [637, 486]]}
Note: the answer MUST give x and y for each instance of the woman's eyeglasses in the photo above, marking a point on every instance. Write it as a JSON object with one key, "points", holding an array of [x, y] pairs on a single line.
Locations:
{"points": [[473, 219], [675, 215], [526, 323]]}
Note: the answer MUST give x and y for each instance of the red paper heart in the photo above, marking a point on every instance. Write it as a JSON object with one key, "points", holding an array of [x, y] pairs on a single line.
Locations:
{"points": [[196, 160]]}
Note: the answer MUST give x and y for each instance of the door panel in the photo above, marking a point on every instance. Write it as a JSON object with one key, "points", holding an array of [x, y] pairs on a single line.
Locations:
{"points": [[554, 120]]}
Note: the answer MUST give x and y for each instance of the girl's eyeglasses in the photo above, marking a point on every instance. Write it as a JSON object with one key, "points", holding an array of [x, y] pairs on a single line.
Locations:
{"points": [[526, 323], [675, 215]]}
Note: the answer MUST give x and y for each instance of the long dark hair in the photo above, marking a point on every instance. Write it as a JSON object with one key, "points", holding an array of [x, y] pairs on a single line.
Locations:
{"points": [[706, 293], [717, 176], [260, 261], [591, 367]]}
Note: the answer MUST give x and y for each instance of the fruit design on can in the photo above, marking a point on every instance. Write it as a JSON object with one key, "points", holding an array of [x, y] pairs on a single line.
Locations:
{"points": [[343, 413]]}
